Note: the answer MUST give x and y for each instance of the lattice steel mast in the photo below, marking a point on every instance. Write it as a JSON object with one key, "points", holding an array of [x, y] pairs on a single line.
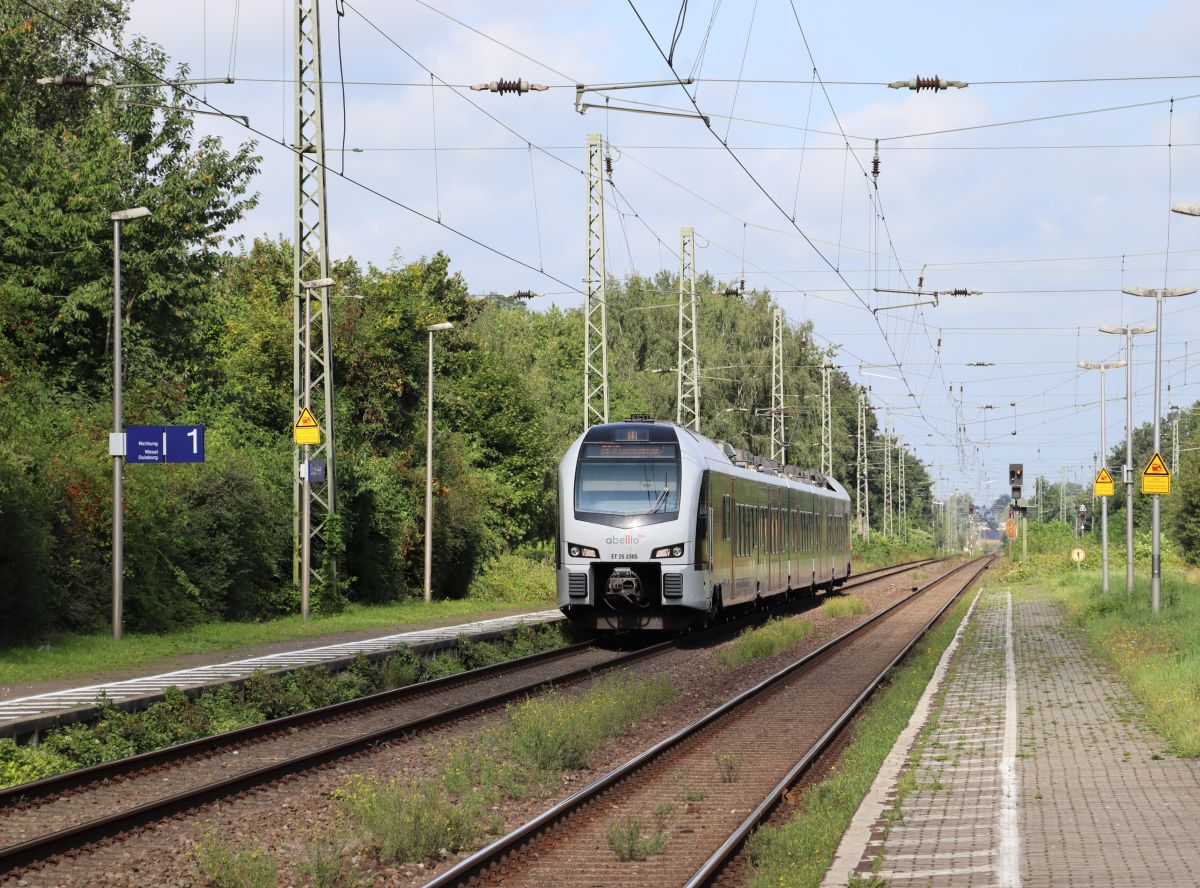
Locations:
{"points": [[778, 447], [310, 252], [887, 474], [595, 313], [862, 508], [826, 422], [688, 390], [901, 490]]}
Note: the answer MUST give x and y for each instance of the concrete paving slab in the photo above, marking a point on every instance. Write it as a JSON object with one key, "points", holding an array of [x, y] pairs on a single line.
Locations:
{"points": [[1032, 773]]}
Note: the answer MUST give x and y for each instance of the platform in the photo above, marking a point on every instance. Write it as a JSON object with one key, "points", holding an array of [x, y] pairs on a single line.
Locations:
{"points": [[1031, 770], [25, 716]]}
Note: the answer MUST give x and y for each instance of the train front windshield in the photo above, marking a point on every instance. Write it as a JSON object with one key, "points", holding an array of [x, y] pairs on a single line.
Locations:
{"points": [[628, 479]]}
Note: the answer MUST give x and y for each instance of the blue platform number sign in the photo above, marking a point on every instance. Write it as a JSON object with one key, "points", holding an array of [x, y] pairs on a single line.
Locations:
{"points": [[156, 444], [144, 444], [185, 444]]}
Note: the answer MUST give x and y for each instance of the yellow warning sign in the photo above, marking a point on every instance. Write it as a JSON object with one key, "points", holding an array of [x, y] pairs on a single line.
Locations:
{"points": [[306, 430], [1104, 484], [1156, 477]]}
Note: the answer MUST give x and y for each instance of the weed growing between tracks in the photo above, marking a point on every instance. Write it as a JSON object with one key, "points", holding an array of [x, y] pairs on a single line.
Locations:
{"points": [[629, 842], [765, 641], [798, 854], [843, 606], [235, 865], [406, 820], [180, 718]]}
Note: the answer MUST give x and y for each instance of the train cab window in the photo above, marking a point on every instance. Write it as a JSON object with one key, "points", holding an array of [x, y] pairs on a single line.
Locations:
{"points": [[627, 479], [725, 517]]}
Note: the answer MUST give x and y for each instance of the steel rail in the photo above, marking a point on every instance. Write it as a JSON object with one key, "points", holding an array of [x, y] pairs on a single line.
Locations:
{"points": [[33, 850], [733, 843], [58, 783], [477, 863]]}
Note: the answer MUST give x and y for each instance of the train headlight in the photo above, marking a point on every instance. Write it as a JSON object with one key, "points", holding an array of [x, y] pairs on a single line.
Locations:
{"points": [[576, 551], [673, 551]]}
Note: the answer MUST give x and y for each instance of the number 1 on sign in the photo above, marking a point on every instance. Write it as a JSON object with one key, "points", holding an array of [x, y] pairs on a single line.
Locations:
{"points": [[194, 435]]}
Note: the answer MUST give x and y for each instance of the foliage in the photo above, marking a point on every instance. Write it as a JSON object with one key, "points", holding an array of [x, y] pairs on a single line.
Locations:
{"points": [[264, 696], [409, 820], [208, 340], [231, 864], [629, 842], [515, 579], [1156, 655], [883, 549], [843, 606], [553, 733], [765, 641]]}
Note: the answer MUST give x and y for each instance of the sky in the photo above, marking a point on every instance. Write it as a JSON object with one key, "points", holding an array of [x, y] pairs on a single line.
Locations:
{"points": [[1045, 184]]}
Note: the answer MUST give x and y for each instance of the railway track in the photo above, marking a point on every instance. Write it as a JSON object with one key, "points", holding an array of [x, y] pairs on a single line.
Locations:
{"points": [[63, 813], [707, 786]]}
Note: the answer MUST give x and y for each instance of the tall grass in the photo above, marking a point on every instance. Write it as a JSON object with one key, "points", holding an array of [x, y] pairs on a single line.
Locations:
{"points": [[1156, 656], [843, 606], [544, 736], [765, 641]]}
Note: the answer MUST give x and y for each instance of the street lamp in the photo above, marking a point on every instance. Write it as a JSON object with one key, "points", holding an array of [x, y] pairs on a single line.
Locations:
{"points": [[1127, 469], [1155, 547], [116, 447], [306, 513], [1111, 365], [432, 328]]}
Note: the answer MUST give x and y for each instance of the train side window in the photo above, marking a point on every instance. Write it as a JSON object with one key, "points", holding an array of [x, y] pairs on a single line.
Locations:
{"points": [[725, 517]]}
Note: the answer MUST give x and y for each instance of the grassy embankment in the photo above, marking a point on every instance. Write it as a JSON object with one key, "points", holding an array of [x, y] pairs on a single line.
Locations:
{"points": [[883, 551], [180, 718], [1156, 656], [511, 583]]}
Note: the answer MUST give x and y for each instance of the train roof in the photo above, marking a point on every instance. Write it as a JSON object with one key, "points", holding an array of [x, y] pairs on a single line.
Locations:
{"points": [[717, 454]]}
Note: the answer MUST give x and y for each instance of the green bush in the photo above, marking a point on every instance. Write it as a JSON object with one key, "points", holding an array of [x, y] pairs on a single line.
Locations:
{"points": [[516, 579], [23, 764]]}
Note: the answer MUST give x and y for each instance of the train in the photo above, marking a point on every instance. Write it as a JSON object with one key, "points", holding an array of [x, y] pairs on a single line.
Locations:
{"points": [[661, 528]]}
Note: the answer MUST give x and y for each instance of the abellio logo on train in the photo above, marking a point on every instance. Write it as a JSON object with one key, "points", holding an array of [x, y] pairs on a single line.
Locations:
{"points": [[629, 539]]}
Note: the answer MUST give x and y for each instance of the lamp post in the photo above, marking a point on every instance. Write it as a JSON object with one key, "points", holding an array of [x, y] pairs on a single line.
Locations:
{"points": [[1111, 365], [432, 328], [116, 449], [306, 511], [1156, 513], [1127, 469]]}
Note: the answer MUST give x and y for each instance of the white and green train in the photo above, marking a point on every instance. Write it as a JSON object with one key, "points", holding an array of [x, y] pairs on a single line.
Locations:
{"points": [[660, 528]]}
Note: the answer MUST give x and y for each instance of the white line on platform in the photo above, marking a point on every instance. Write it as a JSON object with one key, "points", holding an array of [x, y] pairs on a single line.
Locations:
{"points": [[1008, 860], [934, 873]]}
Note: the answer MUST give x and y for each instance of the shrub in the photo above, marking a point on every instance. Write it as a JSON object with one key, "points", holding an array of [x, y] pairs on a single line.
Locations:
{"points": [[516, 579], [24, 764]]}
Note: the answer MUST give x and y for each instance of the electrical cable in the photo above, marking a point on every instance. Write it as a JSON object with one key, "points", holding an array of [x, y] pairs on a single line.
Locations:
{"points": [[128, 60]]}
